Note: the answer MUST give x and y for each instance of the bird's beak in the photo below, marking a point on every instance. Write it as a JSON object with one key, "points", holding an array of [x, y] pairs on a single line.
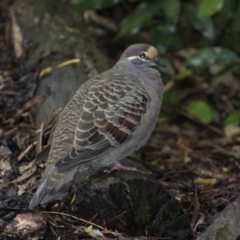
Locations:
{"points": [[157, 62]]}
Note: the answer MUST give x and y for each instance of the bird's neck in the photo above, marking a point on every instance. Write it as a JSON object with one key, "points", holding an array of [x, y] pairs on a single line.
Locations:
{"points": [[152, 80], [150, 77]]}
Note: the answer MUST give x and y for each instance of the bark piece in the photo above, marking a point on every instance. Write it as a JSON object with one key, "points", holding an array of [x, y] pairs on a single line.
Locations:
{"points": [[226, 226], [26, 226]]}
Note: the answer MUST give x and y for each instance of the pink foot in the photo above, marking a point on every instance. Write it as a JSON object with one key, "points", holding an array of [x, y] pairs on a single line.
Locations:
{"points": [[118, 166]]}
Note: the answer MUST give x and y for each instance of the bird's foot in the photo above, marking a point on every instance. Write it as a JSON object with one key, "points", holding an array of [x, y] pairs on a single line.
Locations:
{"points": [[118, 166]]}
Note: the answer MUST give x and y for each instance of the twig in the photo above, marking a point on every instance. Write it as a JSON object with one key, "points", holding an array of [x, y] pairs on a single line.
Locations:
{"points": [[85, 221]]}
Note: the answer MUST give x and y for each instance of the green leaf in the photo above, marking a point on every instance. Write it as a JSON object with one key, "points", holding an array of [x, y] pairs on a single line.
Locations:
{"points": [[225, 14], [171, 10], [208, 8], [236, 21], [171, 96], [212, 55], [233, 119], [141, 16], [201, 110], [205, 26], [165, 38], [169, 69], [184, 73], [83, 5], [231, 41]]}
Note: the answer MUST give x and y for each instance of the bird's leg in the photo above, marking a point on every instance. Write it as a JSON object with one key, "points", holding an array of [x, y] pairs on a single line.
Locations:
{"points": [[118, 166]]}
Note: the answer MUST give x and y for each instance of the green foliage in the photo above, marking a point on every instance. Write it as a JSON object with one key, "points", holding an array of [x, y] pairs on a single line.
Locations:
{"points": [[208, 8], [184, 73], [83, 5], [172, 96], [143, 16], [201, 110], [165, 38], [206, 57], [217, 79], [212, 55], [169, 69], [233, 119], [133, 23], [211, 27], [204, 26], [171, 9]]}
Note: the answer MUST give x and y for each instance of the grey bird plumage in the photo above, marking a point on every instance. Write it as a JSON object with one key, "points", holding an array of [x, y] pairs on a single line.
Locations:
{"points": [[109, 117]]}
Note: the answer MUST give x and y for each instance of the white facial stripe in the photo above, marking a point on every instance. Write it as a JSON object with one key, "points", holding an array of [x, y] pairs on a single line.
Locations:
{"points": [[136, 57], [133, 57]]}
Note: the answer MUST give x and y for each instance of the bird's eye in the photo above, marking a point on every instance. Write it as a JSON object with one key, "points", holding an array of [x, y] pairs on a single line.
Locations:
{"points": [[142, 55]]}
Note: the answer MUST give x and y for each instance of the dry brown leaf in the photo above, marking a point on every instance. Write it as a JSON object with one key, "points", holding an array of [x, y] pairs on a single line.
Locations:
{"points": [[17, 38]]}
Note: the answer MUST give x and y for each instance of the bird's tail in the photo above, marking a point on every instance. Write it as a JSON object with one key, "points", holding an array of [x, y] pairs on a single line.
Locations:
{"points": [[54, 184]]}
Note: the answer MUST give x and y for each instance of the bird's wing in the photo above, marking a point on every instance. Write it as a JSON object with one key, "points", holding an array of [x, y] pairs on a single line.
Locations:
{"points": [[110, 115], [43, 155]]}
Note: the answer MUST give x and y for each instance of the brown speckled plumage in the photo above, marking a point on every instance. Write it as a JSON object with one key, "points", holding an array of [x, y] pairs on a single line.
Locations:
{"points": [[109, 117]]}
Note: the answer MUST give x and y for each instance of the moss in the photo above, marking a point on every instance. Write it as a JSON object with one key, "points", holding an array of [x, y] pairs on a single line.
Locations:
{"points": [[221, 232], [105, 181], [143, 213]]}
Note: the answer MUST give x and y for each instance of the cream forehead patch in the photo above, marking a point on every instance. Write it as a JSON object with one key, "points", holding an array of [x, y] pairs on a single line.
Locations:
{"points": [[152, 52]]}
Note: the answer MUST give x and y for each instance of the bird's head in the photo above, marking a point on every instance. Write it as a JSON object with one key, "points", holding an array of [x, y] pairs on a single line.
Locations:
{"points": [[141, 55]]}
